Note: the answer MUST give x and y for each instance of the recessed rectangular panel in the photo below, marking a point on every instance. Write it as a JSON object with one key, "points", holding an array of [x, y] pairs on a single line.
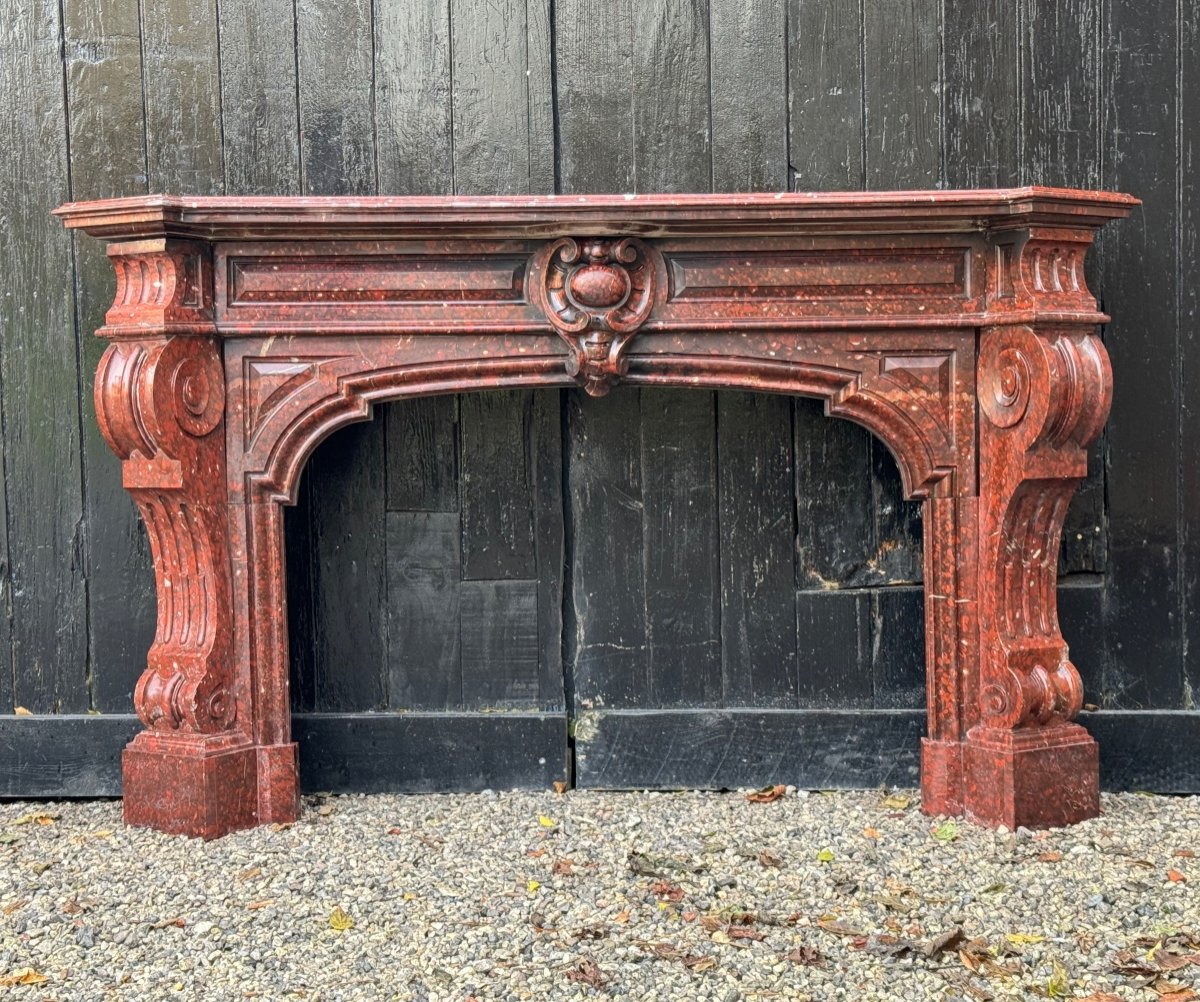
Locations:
{"points": [[808, 274], [315, 280]]}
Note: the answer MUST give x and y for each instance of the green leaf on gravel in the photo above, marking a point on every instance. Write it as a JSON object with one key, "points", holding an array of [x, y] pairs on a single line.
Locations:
{"points": [[947, 831], [825, 856], [1058, 987]]}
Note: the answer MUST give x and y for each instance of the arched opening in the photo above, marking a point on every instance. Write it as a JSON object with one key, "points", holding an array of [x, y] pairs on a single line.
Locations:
{"points": [[730, 558]]}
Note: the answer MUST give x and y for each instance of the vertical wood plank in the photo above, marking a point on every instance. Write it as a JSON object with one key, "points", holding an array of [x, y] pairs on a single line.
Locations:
{"points": [[898, 647], [350, 595], [1139, 276], [499, 644], [422, 454], [258, 98], [672, 149], [334, 44], [335, 65], [901, 78], [1062, 148], [758, 602], [108, 159], [38, 374], [982, 93], [680, 546], [495, 487], [606, 638], [539, 70], [182, 92], [594, 60], [424, 664], [748, 59], [545, 452], [825, 95], [412, 97], [833, 630], [1189, 330], [490, 97], [835, 530]]}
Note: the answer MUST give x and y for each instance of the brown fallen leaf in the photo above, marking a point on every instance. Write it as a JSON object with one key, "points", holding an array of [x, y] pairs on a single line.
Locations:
{"points": [[13, 906], [254, 906], [1185, 853], [1169, 991], [254, 871], [948, 940], [1101, 997], [767, 795], [769, 859], [806, 956], [20, 711], [872, 833], [587, 972], [178, 923], [1050, 856], [25, 976], [563, 868], [622, 917], [745, 932], [666, 890], [1176, 877], [699, 962], [688, 916], [560, 787]]}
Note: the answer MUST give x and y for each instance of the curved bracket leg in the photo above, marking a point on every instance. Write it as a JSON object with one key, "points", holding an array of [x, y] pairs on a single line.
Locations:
{"points": [[1043, 397], [196, 768]]}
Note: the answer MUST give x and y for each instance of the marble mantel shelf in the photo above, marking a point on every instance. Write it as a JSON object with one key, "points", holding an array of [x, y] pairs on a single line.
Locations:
{"points": [[957, 326]]}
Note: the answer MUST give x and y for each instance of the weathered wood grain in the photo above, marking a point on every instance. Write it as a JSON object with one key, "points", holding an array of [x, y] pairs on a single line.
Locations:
{"points": [[758, 599], [335, 56], [259, 123], [422, 454], [1189, 341], [412, 97], [681, 547], [594, 61], [495, 487], [747, 59], [102, 49], [1139, 280], [499, 624], [39, 376], [181, 64], [898, 647], [423, 649], [825, 95], [833, 631]]}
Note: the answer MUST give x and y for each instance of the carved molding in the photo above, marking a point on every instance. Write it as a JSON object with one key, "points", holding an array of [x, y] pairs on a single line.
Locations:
{"points": [[1045, 395], [597, 292], [163, 286], [161, 406]]}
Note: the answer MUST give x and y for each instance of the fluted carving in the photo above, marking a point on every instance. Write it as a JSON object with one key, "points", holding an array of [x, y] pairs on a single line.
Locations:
{"points": [[161, 404], [1044, 395]]}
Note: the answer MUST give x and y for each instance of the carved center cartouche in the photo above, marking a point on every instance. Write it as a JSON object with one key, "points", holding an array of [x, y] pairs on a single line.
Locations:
{"points": [[599, 284]]}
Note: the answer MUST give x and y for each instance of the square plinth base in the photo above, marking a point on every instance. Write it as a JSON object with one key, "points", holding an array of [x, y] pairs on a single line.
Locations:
{"points": [[1040, 778], [207, 787]]}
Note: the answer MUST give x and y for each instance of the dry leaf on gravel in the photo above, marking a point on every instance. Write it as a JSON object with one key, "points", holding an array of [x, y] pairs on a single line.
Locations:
{"points": [[897, 802], [769, 859], [806, 956], [1050, 856], [587, 972], [766, 795], [340, 919], [1176, 877], [25, 976]]}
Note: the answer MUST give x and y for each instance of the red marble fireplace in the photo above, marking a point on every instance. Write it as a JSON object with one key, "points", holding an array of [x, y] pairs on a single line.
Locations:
{"points": [[956, 326]]}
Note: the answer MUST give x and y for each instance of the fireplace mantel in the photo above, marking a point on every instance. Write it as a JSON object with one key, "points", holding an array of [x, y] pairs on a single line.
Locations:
{"points": [[956, 326]]}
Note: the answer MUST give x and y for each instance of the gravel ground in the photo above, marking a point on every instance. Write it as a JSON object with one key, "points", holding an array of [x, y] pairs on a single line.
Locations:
{"points": [[530, 895]]}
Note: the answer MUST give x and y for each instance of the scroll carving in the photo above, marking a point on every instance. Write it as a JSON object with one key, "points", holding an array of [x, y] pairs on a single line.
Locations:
{"points": [[1045, 395], [161, 404], [597, 293]]}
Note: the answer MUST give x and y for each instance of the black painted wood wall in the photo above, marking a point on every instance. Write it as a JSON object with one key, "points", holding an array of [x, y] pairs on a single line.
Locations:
{"points": [[664, 587]]}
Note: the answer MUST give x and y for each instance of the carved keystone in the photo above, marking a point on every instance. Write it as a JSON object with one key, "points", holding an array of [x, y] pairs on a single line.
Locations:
{"points": [[597, 293]]}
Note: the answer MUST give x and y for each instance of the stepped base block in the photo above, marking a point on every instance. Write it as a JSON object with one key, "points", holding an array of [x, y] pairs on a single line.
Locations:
{"points": [[278, 784], [1036, 778], [202, 787]]}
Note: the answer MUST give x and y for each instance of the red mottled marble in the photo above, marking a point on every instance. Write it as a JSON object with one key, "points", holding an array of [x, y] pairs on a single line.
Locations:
{"points": [[956, 326]]}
